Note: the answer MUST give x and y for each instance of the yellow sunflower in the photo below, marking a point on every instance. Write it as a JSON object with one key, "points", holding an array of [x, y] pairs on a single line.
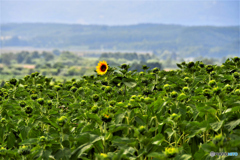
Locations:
{"points": [[102, 67]]}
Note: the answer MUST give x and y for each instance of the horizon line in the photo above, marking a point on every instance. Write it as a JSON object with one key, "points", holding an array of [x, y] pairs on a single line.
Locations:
{"points": [[121, 25]]}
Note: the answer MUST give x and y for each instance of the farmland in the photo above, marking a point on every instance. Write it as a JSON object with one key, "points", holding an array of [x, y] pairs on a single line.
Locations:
{"points": [[154, 114]]}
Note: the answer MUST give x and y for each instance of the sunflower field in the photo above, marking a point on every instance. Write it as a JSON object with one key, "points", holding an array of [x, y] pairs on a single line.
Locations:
{"points": [[118, 114]]}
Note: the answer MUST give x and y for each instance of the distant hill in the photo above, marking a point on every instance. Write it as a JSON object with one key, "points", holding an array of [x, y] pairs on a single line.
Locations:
{"points": [[184, 41]]}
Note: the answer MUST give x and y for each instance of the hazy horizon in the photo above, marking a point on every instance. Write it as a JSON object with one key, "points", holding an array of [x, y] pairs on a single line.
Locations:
{"points": [[57, 23]]}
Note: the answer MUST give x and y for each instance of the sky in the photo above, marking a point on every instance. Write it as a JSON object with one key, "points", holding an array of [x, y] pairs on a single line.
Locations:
{"points": [[124, 12]]}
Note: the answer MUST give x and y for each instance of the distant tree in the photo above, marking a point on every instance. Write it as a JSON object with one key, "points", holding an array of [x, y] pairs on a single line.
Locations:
{"points": [[38, 66], [58, 71], [58, 65], [28, 60], [68, 55], [21, 56], [48, 65], [56, 52], [6, 58], [72, 71], [48, 56], [35, 54]]}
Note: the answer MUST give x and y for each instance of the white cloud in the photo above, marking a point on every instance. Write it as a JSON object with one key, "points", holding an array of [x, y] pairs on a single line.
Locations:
{"points": [[81, 21]]}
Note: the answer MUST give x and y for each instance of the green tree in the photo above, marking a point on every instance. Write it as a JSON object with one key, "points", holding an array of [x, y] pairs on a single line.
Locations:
{"points": [[7, 57], [35, 54]]}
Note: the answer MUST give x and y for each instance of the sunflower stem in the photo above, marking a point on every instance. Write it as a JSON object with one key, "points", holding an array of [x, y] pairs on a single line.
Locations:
{"points": [[125, 91]]}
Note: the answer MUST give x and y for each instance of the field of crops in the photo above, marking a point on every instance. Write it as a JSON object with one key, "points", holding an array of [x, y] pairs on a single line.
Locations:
{"points": [[119, 114]]}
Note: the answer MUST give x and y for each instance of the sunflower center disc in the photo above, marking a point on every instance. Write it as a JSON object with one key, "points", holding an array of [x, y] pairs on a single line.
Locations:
{"points": [[103, 68]]}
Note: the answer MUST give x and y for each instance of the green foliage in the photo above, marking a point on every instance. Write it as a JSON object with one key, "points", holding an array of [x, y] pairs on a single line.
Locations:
{"points": [[181, 114]]}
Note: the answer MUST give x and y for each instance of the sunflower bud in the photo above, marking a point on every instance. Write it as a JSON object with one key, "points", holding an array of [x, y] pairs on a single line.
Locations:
{"points": [[108, 89], [209, 68], [155, 70], [36, 74], [120, 104], [212, 83], [182, 96], [47, 80], [68, 86], [147, 91], [171, 152], [133, 97], [212, 73], [187, 79], [24, 150], [61, 121], [144, 67], [120, 91], [106, 118], [49, 103], [129, 106], [83, 102], [174, 94], [201, 64], [57, 87], [3, 121], [5, 94], [73, 89], [103, 88], [228, 88], [103, 155], [236, 59], [145, 81], [34, 96], [237, 92], [13, 81], [112, 103], [42, 139], [175, 117], [183, 63], [167, 87], [142, 129], [189, 109], [26, 77], [185, 89], [148, 100], [142, 99], [28, 110], [95, 97], [190, 64], [141, 73], [124, 66], [219, 140], [22, 104], [80, 90], [40, 87], [236, 75], [3, 151], [60, 84], [216, 90], [40, 101], [207, 93], [51, 95], [94, 109], [32, 74]]}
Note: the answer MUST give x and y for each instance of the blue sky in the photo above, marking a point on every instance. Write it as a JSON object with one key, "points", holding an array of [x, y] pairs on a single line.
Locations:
{"points": [[124, 12]]}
